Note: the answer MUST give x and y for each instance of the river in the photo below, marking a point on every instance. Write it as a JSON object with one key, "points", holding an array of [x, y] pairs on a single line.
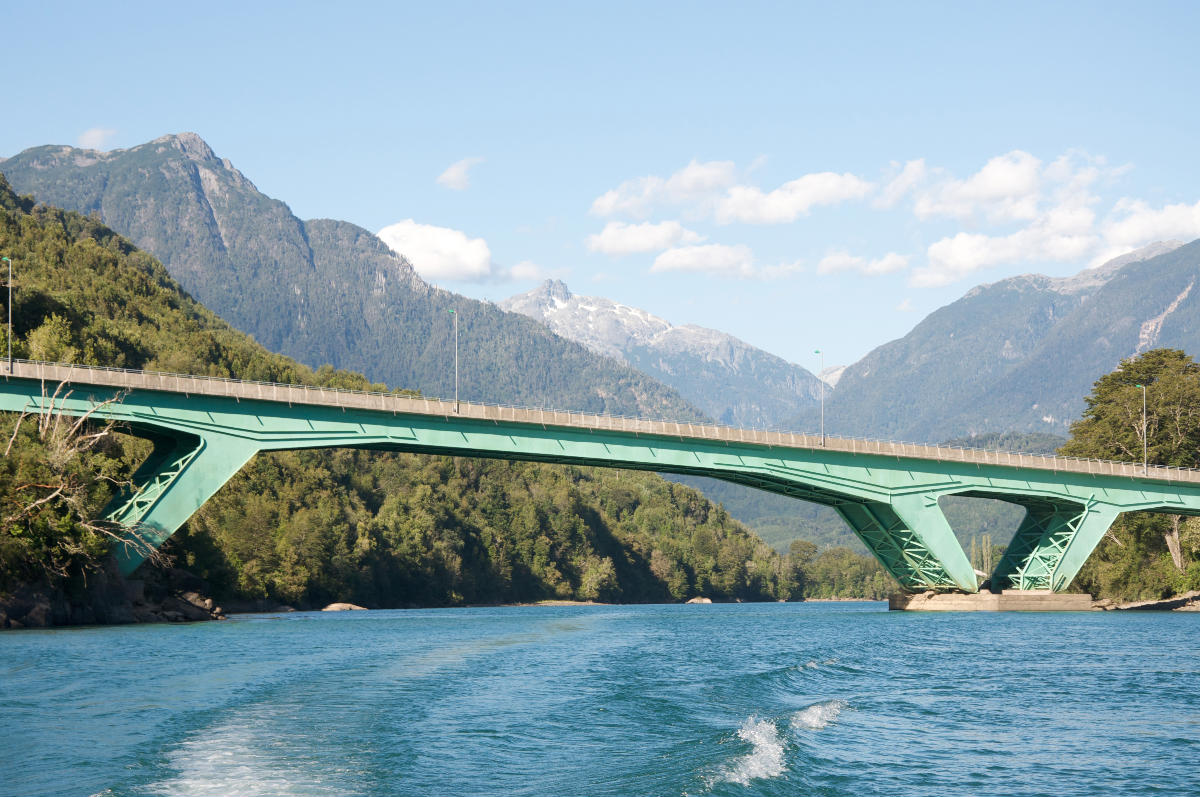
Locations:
{"points": [[750, 699]]}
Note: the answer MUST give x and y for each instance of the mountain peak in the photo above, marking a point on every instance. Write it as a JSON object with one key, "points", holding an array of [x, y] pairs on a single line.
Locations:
{"points": [[191, 145], [1084, 281], [553, 289], [1094, 277], [727, 378]]}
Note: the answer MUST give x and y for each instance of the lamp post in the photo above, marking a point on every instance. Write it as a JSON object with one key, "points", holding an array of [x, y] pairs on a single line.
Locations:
{"points": [[1145, 442], [455, 359], [9, 259], [822, 381]]}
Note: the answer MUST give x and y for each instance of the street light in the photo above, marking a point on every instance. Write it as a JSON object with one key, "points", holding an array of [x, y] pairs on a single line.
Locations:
{"points": [[822, 381], [9, 259], [455, 359], [1145, 442]]}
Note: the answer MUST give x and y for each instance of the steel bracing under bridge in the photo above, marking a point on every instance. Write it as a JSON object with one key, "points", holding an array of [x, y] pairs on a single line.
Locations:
{"points": [[204, 430]]}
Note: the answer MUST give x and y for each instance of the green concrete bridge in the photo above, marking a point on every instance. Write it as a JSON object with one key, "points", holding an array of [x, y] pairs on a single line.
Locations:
{"points": [[204, 430]]}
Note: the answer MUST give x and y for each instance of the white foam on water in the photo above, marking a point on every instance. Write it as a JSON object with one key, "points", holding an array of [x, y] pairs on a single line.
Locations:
{"points": [[235, 758], [765, 759], [818, 715]]}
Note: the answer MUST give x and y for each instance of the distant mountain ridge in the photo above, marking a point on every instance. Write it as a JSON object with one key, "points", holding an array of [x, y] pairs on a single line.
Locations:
{"points": [[727, 378], [1020, 354], [324, 291]]}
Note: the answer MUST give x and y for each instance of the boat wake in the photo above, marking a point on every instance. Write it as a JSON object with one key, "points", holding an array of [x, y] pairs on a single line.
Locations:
{"points": [[765, 759], [241, 758], [818, 715]]}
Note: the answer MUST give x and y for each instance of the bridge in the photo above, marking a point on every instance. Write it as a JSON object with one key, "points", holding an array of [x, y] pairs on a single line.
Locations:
{"points": [[205, 429]]}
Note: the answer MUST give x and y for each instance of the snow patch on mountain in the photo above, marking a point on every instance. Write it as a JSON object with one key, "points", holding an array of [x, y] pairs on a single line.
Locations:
{"points": [[723, 375]]}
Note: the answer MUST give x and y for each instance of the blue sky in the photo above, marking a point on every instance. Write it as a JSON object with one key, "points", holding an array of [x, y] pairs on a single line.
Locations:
{"points": [[802, 176]]}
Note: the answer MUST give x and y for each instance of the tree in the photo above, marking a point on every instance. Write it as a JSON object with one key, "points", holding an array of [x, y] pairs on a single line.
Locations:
{"points": [[800, 558], [57, 472], [1112, 427]]}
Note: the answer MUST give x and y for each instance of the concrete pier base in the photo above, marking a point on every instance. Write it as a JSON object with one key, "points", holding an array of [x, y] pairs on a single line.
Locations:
{"points": [[1010, 600]]}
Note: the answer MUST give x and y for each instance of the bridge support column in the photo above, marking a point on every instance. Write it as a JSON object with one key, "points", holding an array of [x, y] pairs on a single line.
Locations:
{"points": [[912, 540], [1052, 543], [181, 473]]}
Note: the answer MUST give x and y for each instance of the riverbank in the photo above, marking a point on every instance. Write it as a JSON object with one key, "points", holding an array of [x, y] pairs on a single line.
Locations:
{"points": [[174, 595], [1187, 602], [105, 597]]}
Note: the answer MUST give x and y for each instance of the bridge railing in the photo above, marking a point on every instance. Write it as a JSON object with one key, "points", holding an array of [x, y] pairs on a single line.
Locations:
{"points": [[398, 402]]}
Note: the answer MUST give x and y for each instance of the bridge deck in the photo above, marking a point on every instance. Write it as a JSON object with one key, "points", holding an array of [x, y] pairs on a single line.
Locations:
{"points": [[389, 402]]}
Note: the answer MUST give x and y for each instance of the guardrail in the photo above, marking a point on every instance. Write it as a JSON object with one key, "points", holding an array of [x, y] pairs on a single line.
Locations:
{"points": [[420, 405]]}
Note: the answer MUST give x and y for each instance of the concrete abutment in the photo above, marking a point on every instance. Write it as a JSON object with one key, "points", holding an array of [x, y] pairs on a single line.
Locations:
{"points": [[1009, 600]]}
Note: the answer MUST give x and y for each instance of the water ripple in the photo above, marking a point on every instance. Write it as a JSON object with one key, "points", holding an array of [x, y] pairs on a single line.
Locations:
{"points": [[780, 699]]}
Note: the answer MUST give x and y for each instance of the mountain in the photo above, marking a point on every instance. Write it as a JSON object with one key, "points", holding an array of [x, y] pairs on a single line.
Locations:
{"points": [[727, 378], [1020, 354], [832, 374], [324, 291]]}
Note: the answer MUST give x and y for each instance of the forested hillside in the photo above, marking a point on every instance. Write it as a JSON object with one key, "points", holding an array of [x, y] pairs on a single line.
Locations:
{"points": [[1020, 354], [383, 529]]}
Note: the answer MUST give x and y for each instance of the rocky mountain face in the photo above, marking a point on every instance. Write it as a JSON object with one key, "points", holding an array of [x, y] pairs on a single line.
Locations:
{"points": [[1020, 354], [832, 374], [324, 291], [727, 378]]}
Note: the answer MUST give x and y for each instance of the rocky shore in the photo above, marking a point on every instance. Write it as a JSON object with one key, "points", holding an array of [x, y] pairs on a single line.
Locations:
{"points": [[1187, 602], [105, 597]]}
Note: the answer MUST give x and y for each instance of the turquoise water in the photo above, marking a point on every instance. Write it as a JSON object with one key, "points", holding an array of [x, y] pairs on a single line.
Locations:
{"points": [[795, 699]]}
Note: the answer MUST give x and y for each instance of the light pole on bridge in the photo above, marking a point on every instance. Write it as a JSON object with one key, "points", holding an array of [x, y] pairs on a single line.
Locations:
{"points": [[821, 379], [1145, 442], [453, 313], [10, 361]]}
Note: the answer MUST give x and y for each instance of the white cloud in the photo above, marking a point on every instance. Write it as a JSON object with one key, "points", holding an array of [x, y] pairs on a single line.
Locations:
{"points": [[711, 189], [913, 174], [440, 253], [720, 260], [735, 261], [527, 270], [619, 238], [696, 182], [1054, 202], [1133, 224], [905, 306], [457, 177], [842, 261], [791, 200], [1063, 234], [1006, 188], [1014, 209], [95, 138]]}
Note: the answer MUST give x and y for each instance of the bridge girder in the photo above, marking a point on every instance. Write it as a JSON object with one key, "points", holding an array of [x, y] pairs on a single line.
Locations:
{"points": [[890, 502]]}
